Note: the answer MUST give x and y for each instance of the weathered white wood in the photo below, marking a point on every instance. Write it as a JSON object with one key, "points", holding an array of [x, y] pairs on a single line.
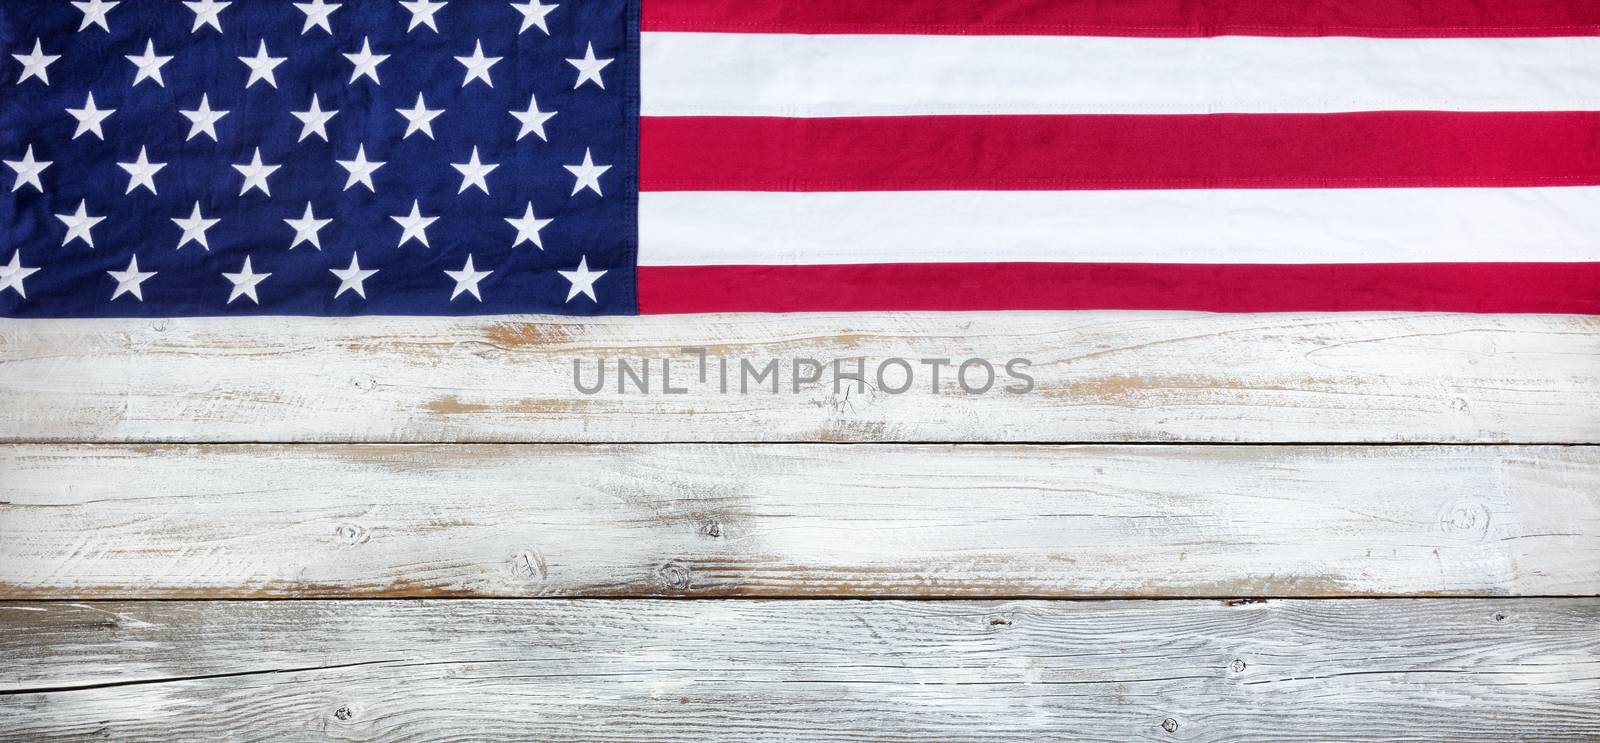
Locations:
{"points": [[695, 671], [1101, 376], [252, 521]]}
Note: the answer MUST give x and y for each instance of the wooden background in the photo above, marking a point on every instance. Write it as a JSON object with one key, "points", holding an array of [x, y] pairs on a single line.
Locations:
{"points": [[1196, 527]]}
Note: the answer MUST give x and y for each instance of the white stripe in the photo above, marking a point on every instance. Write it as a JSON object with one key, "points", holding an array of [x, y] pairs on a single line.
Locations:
{"points": [[695, 74], [1357, 225]]}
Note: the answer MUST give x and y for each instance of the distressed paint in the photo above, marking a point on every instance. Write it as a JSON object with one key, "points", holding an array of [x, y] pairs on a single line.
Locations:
{"points": [[1100, 376], [694, 671], [260, 521], [146, 520]]}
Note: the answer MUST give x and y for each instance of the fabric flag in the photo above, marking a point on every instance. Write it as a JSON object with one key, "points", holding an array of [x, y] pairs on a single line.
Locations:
{"points": [[439, 157]]}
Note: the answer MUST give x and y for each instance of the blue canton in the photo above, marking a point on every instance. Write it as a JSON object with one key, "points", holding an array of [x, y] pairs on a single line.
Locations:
{"points": [[331, 157]]}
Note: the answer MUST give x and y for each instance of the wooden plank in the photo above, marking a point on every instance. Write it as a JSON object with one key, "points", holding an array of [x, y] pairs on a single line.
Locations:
{"points": [[169, 521], [1098, 376], [1446, 670]]}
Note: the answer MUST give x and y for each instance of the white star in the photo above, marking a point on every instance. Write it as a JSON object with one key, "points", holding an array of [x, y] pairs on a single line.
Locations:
{"points": [[582, 280], [415, 226], [94, 13], [205, 13], [261, 66], [533, 119], [533, 14], [128, 281], [360, 169], [194, 228], [317, 12], [141, 172], [11, 275], [245, 282], [306, 228], [28, 170], [89, 118], [149, 64], [588, 174], [473, 173], [478, 66], [419, 119], [366, 62], [314, 120], [79, 224], [34, 64], [467, 279], [528, 227], [255, 174], [352, 278], [203, 119], [422, 12], [589, 68]]}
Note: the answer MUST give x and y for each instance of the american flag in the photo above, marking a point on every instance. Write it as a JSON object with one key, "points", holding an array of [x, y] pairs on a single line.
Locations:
{"points": [[433, 157]]}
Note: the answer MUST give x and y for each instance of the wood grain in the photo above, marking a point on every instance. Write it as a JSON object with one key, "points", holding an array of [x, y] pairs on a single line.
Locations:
{"points": [[694, 671], [1099, 377], [174, 521]]}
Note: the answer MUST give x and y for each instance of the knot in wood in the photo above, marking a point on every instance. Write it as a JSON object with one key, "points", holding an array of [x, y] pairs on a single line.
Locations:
{"points": [[1237, 666], [1170, 725], [529, 565], [343, 713], [674, 576], [1465, 516], [351, 533]]}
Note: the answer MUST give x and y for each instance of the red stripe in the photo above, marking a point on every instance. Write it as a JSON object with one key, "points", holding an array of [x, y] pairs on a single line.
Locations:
{"points": [[1356, 150], [1422, 287], [1164, 18]]}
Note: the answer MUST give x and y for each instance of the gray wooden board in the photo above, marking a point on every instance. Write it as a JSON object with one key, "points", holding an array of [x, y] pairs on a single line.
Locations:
{"points": [[1399, 669], [208, 521], [1099, 376]]}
